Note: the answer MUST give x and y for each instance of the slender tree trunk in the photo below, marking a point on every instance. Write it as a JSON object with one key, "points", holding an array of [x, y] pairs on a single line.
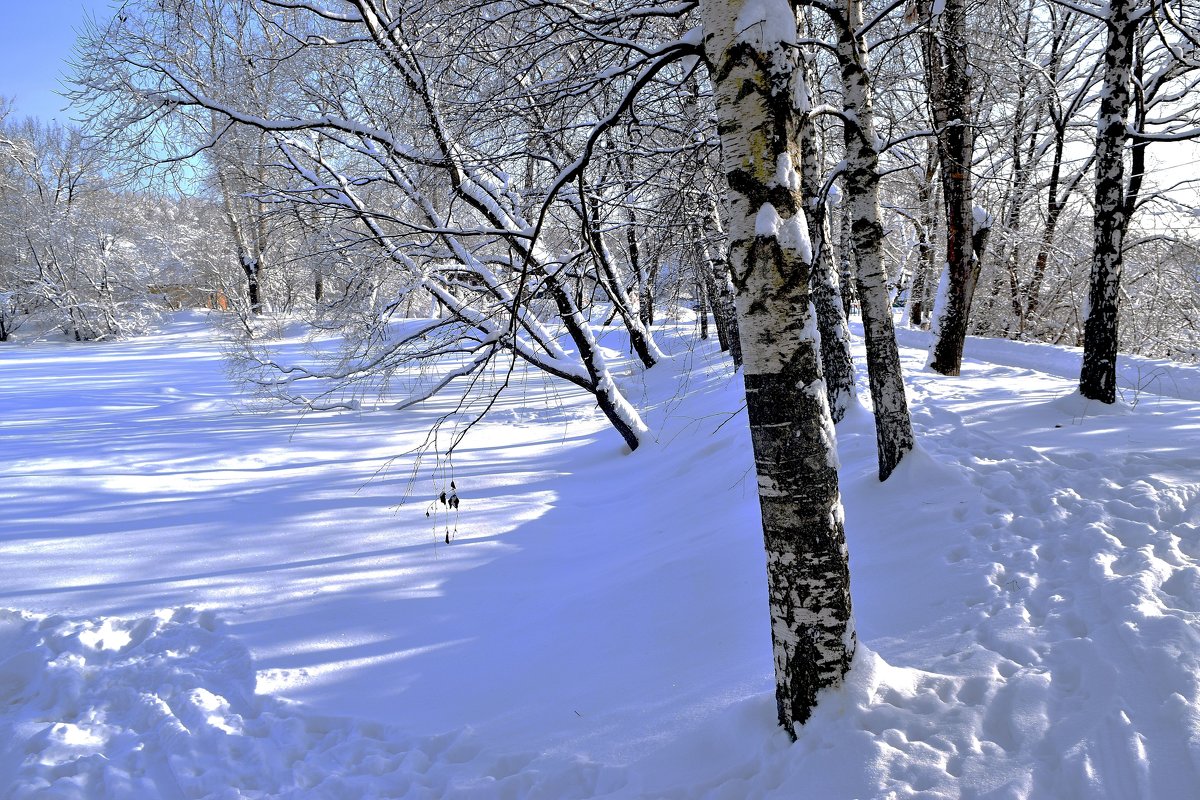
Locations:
{"points": [[753, 65], [925, 273], [1013, 207], [708, 283], [836, 360], [249, 243], [705, 208], [846, 269], [640, 337], [1054, 207], [723, 289], [893, 426], [948, 78], [251, 268], [645, 285], [1055, 202], [1098, 377], [612, 403]]}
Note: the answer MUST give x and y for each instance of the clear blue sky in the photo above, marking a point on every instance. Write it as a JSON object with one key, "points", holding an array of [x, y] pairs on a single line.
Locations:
{"points": [[35, 42]]}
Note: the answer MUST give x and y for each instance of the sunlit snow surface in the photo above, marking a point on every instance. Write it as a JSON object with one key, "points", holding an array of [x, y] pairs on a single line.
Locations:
{"points": [[212, 600]]}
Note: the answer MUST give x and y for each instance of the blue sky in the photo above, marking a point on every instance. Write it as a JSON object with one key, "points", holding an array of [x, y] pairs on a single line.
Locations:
{"points": [[35, 42]]}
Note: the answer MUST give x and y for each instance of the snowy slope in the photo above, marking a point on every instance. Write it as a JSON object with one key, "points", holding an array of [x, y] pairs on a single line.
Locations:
{"points": [[215, 601]]}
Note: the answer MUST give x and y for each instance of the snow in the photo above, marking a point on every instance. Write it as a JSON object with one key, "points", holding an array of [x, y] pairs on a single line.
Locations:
{"points": [[785, 173], [767, 221], [766, 24], [1137, 375], [834, 194], [210, 600], [981, 218], [941, 300], [791, 232]]}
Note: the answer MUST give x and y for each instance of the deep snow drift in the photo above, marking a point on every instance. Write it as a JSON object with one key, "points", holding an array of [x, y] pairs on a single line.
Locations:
{"points": [[213, 601]]}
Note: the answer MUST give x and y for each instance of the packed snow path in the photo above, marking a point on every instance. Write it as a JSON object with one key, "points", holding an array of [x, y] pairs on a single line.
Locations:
{"points": [[1096, 573], [1027, 594], [1080, 640]]}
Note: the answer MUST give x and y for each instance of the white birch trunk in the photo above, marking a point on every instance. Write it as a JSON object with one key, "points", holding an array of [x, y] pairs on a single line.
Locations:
{"points": [[836, 361], [752, 56], [893, 425]]}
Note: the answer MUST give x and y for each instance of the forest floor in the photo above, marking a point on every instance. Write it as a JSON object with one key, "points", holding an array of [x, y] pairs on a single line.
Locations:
{"points": [[210, 598]]}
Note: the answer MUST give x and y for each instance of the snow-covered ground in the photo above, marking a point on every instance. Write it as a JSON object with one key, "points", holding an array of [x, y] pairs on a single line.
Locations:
{"points": [[213, 601]]}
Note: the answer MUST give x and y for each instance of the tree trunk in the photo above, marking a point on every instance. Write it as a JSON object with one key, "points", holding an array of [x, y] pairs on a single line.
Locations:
{"points": [[949, 85], [705, 208], [707, 284], [640, 337], [1054, 207], [251, 268], [612, 403], [1055, 202], [249, 237], [1098, 377], [846, 268], [893, 426], [925, 273], [721, 297], [753, 64], [836, 360], [645, 285]]}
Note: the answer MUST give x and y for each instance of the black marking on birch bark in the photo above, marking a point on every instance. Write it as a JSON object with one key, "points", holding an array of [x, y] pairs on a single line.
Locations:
{"points": [[759, 193]]}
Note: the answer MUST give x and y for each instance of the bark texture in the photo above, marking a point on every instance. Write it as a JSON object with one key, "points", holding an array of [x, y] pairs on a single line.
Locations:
{"points": [[893, 425], [948, 78], [925, 274], [836, 361], [755, 75], [1098, 376]]}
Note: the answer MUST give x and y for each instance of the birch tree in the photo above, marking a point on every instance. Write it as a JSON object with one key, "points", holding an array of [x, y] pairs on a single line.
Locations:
{"points": [[836, 361], [751, 47], [893, 424], [1151, 55]]}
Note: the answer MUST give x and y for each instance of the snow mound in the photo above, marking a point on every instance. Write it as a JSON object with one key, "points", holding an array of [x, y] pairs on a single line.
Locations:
{"points": [[1078, 407], [164, 706]]}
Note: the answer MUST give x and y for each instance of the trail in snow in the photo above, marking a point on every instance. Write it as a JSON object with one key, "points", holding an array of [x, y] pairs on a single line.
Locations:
{"points": [[1137, 376], [1078, 638]]}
